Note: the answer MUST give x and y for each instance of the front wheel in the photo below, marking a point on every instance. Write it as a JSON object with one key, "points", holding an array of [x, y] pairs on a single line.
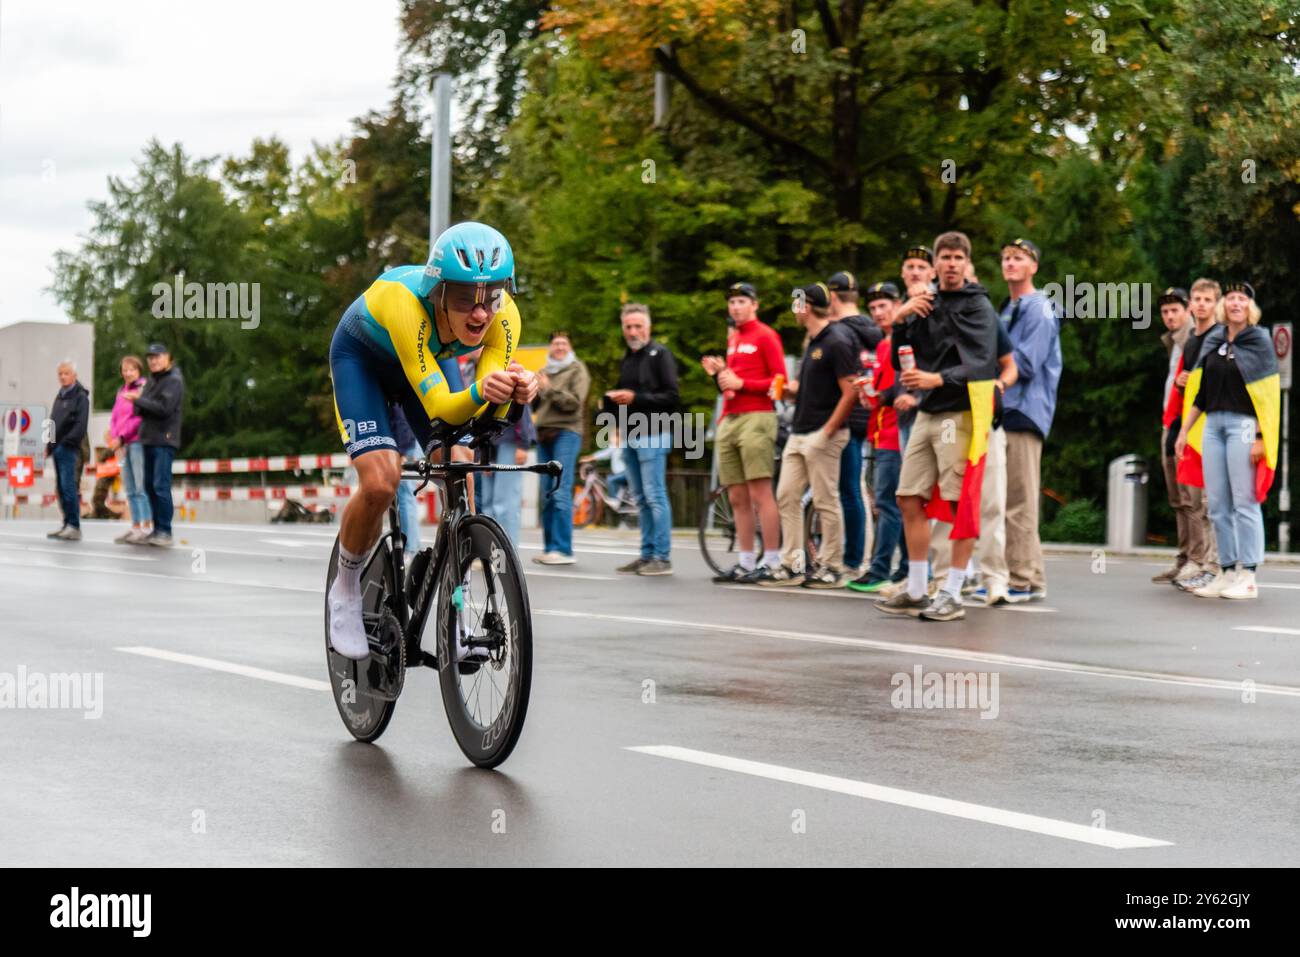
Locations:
{"points": [[483, 604]]}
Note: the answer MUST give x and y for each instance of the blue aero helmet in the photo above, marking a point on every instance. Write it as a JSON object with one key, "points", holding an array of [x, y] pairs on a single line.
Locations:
{"points": [[470, 253]]}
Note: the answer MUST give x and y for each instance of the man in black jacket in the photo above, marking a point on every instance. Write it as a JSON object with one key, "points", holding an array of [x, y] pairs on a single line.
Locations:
{"points": [[866, 335], [648, 397], [952, 335], [71, 417], [159, 406]]}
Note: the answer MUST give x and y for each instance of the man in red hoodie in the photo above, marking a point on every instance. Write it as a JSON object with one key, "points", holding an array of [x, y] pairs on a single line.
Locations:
{"points": [[747, 432]]}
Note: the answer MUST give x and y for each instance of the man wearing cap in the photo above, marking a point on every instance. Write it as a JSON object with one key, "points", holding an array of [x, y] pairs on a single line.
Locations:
{"points": [[953, 342], [159, 406], [1173, 313], [1028, 409], [746, 437], [1202, 553], [844, 291], [882, 301], [818, 434]]}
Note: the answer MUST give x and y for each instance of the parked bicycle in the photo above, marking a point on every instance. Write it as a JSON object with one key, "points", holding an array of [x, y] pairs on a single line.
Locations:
{"points": [[593, 503]]}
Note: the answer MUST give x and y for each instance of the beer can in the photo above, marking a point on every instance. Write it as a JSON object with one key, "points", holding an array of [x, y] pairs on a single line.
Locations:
{"points": [[906, 360], [866, 384], [867, 359]]}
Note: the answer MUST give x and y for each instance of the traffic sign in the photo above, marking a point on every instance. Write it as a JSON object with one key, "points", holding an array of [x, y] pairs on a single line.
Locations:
{"points": [[20, 472], [1283, 345], [22, 427]]}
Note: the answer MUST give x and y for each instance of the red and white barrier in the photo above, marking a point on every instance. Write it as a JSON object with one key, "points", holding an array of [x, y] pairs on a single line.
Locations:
{"points": [[270, 463]]}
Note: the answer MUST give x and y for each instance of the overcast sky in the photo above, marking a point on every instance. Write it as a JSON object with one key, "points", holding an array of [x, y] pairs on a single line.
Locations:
{"points": [[83, 86]]}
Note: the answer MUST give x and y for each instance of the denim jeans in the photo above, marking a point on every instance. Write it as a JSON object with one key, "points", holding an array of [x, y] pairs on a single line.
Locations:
{"points": [[130, 458], [889, 529], [851, 504], [646, 464], [501, 493], [557, 509], [1230, 487], [65, 470], [408, 509], [158, 485]]}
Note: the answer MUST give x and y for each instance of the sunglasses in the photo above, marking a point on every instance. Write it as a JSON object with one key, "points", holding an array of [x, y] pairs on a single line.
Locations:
{"points": [[464, 296]]}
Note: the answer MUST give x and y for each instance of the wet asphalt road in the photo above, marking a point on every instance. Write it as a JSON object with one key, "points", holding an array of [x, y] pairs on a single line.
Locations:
{"points": [[1127, 732]]}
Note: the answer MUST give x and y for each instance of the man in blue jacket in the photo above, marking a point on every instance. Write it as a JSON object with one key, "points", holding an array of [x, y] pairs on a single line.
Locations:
{"points": [[1028, 408]]}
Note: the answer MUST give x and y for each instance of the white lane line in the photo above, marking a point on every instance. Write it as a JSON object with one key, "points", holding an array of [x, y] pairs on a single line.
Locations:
{"points": [[594, 578], [295, 543], [229, 667], [867, 598], [1277, 585], [528, 546], [185, 580], [958, 654], [71, 549], [1268, 630], [1083, 833]]}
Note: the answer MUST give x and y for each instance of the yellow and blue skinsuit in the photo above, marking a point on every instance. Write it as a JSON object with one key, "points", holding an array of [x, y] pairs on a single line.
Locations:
{"points": [[386, 351]]}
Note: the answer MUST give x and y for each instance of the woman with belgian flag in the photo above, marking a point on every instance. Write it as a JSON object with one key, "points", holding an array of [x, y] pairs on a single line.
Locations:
{"points": [[1229, 439]]}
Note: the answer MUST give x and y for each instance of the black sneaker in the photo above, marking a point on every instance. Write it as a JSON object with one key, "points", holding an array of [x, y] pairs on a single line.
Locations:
{"points": [[904, 604], [943, 607], [758, 576], [782, 577], [632, 567], [733, 575]]}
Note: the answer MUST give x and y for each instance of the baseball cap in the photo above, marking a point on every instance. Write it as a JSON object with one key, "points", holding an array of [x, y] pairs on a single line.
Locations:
{"points": [[157, 349], [882, 290], [1027, 246], [1239, 286], [742, 289], [1172, 294], [842, 282]]}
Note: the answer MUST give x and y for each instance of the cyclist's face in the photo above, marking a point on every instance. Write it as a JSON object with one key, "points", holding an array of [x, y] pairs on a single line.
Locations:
{"points": [[470, 307]]}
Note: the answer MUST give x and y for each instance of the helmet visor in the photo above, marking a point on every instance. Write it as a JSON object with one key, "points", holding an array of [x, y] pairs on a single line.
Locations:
{"points": [[464, 296]]}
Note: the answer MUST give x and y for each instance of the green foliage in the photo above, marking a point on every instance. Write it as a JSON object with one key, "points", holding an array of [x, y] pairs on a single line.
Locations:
{"points": [[1082, 522]]}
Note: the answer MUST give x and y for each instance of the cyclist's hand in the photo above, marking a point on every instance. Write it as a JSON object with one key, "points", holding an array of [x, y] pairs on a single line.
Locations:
{"points": [[526, 386], [497, 387]]}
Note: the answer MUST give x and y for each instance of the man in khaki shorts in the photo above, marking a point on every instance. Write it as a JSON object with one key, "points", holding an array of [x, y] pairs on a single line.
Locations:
{"points": [[746, 438], [953, 338]]}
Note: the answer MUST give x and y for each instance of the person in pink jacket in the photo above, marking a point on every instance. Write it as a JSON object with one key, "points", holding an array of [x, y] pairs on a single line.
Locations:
{"points": [[124, 437]]}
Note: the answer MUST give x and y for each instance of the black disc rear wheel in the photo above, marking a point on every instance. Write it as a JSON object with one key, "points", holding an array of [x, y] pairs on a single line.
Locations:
{"points": [[484, 604], [365, 692]]}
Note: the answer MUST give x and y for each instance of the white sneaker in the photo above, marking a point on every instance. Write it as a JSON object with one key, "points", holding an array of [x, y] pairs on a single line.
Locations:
{"points": [[555, 558], [347, 631], [1215, 588], [1243, 587]]}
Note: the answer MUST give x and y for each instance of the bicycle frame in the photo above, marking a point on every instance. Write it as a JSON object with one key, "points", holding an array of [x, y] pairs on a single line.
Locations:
{"points": [[452, 477]]}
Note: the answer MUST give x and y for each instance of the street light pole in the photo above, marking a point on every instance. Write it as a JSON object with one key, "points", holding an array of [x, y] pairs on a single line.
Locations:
{"points": [[440, 160]]}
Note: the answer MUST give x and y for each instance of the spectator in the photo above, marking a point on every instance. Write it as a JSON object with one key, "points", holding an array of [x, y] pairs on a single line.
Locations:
{"points": [[882, 300], [953, 335], [991, 547], [558, 413], [124, 438], [159, 406], [1202, 554], [1234, 452], [71, 417], [647, 389], [866, 335], [106, 472], [1173, 313], [1028, 409], [824, 393], [501, 496], [746, 437]]}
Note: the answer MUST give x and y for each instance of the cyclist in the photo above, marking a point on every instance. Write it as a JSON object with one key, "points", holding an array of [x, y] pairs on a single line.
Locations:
{"points": [[389, 346]]}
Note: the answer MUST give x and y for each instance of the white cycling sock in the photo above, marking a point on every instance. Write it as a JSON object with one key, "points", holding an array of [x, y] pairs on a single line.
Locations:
{"points": [[347, 584], [970, 568], [918, 579], [772, 558], [747, 561], [956, 578]]}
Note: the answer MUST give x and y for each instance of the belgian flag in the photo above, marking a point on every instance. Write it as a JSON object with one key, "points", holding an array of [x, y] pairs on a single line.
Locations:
{"points": [[1255, 358], [966, 518]]}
